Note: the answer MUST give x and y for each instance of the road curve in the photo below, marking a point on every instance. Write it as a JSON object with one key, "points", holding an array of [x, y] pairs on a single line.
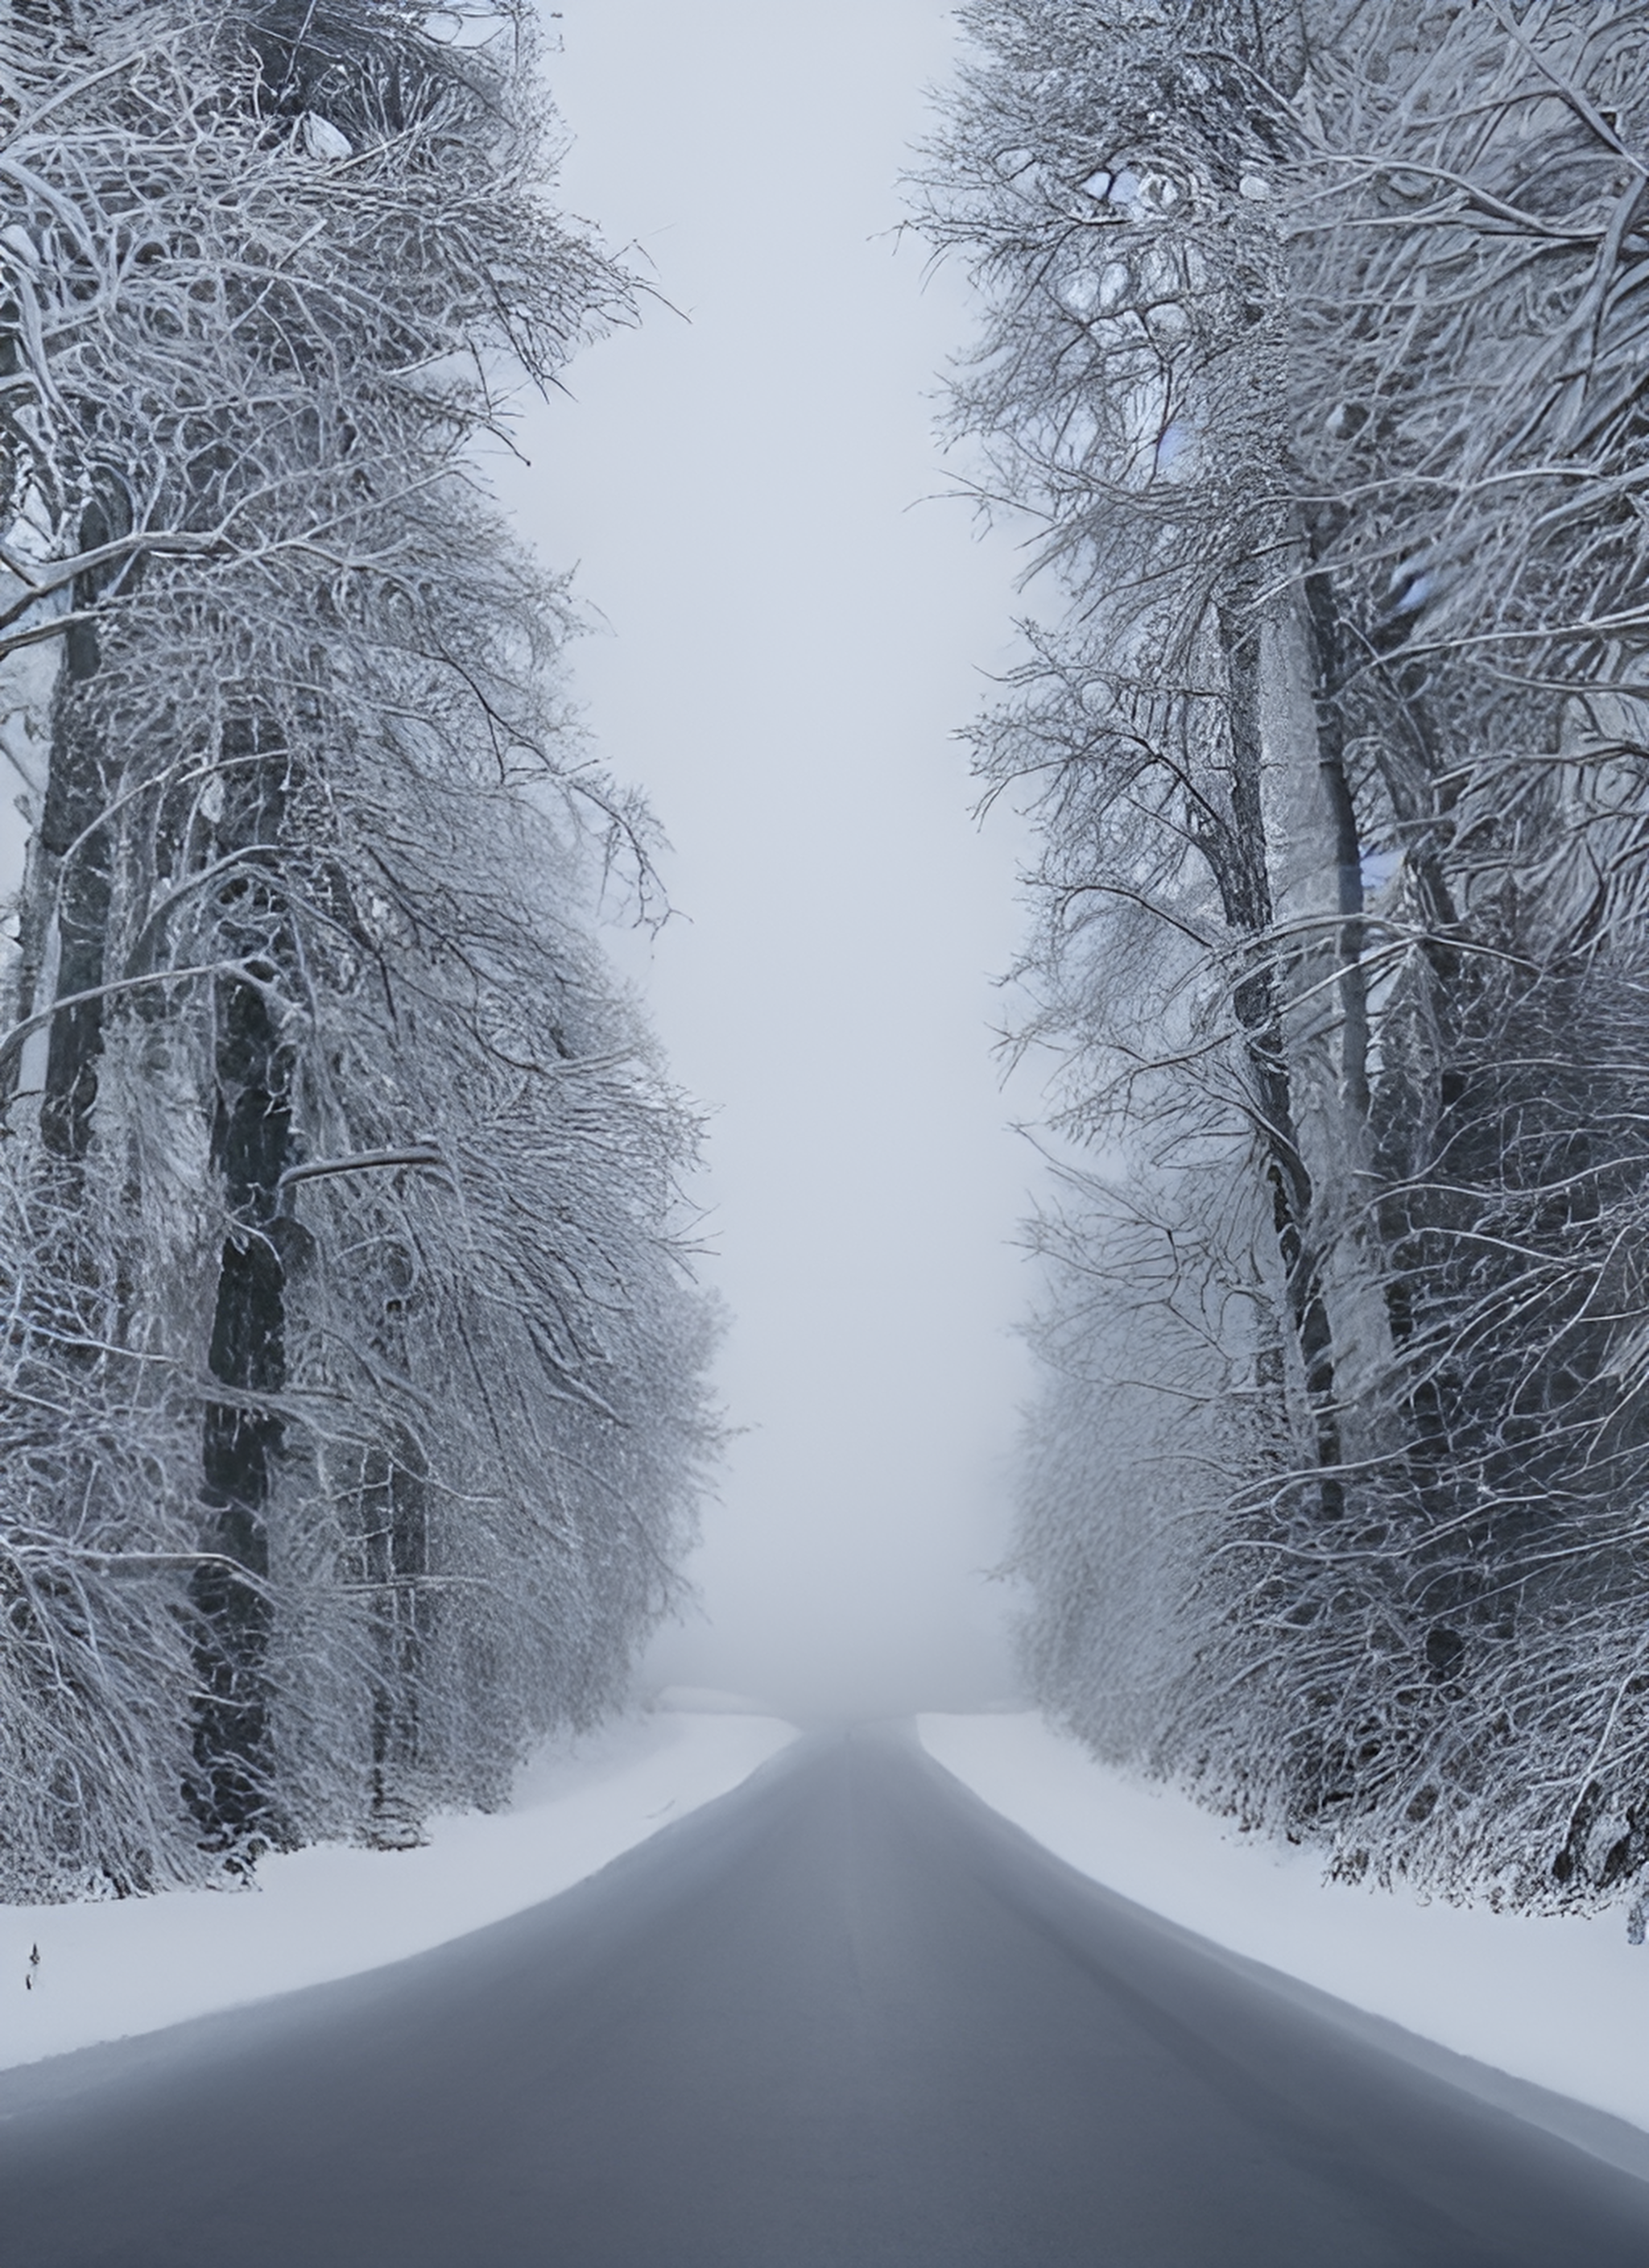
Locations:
{"points": [[845, 2018]]}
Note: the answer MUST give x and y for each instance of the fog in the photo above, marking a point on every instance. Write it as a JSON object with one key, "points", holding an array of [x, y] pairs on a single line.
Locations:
{"points": [[797, 622]]}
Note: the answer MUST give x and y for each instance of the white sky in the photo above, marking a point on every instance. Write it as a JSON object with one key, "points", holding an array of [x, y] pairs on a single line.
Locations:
{"points": [[795, 637]]}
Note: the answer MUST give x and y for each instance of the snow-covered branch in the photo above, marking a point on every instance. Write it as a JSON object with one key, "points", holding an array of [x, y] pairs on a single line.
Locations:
{"points": [[339, 1460], [1312, 353]]}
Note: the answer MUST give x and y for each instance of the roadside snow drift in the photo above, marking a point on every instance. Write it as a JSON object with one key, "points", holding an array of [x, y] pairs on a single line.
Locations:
{"points": [[1561, 2002], [136, 1965]]}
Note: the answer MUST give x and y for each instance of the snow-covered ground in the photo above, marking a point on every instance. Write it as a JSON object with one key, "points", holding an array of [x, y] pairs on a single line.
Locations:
{"points": [[105, 1971], [1562, 2003]]}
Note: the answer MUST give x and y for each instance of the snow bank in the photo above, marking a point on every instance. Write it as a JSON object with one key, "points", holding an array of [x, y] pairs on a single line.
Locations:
{"points": [[136, 1965], [1561, 2003]]}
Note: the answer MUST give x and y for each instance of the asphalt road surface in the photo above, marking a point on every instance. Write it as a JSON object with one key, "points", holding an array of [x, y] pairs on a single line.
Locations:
{"points": [[845, 2018]]}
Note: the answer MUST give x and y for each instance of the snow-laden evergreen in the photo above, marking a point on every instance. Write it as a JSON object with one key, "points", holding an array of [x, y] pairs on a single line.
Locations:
{"points": [[1314, 348], [353, 1409]]}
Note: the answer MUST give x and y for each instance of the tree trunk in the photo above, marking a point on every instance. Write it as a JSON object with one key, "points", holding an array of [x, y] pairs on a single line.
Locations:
{"points": [[397, 1559], [71, 872], [1318, 907], [250, 1149], [1242, 873]]}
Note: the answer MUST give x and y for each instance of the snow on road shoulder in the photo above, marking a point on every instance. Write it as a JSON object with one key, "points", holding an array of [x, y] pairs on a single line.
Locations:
{"points": [[1561, 2003], [136, 1965]]}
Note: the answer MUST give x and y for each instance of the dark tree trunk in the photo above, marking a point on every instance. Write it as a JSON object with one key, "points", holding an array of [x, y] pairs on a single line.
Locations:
{"points": [[75, 852], [397, 1559], [250, 1149]]}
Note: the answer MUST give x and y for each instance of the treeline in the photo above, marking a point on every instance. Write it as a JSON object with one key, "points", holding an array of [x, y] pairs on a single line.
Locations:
{"points": [[1314, 347], [352, 1410]]}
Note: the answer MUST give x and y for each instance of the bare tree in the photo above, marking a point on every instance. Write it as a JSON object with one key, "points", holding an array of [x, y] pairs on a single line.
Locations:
{"points": [[1311, 342], [354, 1406]]}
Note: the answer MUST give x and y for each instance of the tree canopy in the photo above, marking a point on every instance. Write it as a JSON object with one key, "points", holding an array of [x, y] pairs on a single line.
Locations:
{"points": [[1313, 348], [353, 1414]]}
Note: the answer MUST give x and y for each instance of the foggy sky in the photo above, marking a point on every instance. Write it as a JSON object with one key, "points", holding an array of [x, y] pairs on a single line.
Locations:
{"points": [[794, 637]]}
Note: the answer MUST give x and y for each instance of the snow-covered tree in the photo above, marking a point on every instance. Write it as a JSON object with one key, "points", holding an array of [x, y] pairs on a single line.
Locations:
{"points": [[353, 1410], [1313, 344]]}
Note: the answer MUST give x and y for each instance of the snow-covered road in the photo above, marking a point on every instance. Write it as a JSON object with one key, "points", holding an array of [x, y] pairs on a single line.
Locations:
{"points": [[845, 2017]]}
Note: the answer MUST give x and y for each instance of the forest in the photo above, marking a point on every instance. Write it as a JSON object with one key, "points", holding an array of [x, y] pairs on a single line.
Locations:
{"points": [[353, 1406], [1312, 354], [353, 1414]]}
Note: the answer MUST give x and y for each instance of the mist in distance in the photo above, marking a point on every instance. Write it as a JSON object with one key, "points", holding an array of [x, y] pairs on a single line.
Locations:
{"points": [[799, 626]]}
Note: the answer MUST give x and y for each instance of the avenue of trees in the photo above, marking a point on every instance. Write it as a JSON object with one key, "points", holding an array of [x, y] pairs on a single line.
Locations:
{"points": [[352, 1410], [1313, 352]]}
